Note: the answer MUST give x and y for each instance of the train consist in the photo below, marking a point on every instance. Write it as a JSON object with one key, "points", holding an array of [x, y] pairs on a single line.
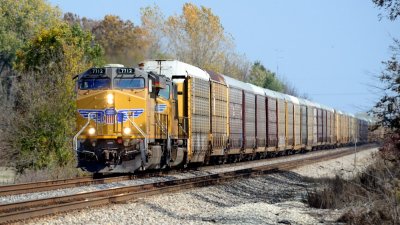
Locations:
{"points": [[167, 113]]}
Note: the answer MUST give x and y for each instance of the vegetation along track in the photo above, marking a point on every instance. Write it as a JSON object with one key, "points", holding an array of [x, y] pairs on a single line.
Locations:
{"points": [[41, 207]]}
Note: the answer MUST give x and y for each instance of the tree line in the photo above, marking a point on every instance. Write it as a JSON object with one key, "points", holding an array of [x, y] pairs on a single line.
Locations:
{"points": [[42, 49], [196, 37]]}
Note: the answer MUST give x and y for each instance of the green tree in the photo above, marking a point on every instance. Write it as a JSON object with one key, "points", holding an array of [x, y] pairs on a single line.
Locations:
{"points": [[45, 100], [19, 21], [263, 77]]}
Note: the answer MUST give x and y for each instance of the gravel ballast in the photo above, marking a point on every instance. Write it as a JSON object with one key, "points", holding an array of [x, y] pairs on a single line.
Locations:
{"points": [[202, 171], [262, 200], [270, 199]]}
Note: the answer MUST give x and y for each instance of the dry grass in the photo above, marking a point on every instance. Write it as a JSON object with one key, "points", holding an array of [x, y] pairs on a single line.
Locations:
{"points": [[50, 173], [371, 197]]}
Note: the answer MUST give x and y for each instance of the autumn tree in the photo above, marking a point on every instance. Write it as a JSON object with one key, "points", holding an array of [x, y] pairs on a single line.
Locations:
{"points": [[45, 105], [122, 41], [85, 23], [236, 66], [19, 21], [197, 37], [152, 24]]}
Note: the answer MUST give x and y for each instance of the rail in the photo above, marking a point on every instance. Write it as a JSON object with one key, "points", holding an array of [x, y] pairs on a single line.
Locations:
{"points": [[41, 207], [25, 188]]}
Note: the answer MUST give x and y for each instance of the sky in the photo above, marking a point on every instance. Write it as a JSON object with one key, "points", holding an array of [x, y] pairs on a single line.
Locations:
{"points": [[330, 50]]}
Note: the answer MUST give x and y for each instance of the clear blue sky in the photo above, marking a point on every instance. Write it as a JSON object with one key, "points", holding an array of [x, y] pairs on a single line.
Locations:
{"points": [[331, 50]]}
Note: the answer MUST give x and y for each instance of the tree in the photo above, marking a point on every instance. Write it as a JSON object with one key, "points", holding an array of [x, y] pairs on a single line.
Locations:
{"points": [[262, 77], [190, 38], [197, 37], [122, 41], [289, 88], [84, 23], [45, 105], [236, 66], [387, 109], [153, 26], [19, 21], [393, 7]]}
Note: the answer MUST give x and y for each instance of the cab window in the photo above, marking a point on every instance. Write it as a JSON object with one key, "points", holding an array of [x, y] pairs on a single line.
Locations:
{"points": [[94, 83], [129, 83], [164, 92]]}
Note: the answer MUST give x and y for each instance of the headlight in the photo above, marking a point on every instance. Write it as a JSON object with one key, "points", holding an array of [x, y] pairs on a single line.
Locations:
{"points": [[91, 131], [127, 130], [110, 98]]}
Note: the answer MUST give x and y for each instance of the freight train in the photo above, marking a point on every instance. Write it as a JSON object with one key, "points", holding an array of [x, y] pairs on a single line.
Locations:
{"points": [[167, 113]]}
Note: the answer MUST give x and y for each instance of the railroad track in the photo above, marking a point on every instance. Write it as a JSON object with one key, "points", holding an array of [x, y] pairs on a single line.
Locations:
{"points": [[16, 189], [30, 209], [25, 188]]}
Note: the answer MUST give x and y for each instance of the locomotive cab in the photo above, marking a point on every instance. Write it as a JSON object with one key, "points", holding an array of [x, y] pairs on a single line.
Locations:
{"points": [[123, 119]]}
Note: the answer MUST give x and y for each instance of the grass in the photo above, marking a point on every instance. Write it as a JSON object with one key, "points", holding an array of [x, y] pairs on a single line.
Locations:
{"points": [[49, 173], [371, 197]]}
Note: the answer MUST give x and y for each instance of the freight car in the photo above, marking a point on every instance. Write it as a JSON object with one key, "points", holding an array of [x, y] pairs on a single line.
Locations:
{"points": [[167, 113]]}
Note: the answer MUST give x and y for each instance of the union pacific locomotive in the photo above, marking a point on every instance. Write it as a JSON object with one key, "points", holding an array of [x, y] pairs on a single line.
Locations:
{"points": [[167, 113]]}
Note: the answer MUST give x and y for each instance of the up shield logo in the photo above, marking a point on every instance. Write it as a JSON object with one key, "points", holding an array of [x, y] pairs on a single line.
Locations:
{"points": [[109, 115]]}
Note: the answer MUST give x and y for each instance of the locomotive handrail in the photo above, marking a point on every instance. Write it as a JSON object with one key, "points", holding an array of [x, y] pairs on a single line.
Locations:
{"points": [[142, 151], [183, 130], [184, 124], [139, 129], [163, 128], [75, 140]]}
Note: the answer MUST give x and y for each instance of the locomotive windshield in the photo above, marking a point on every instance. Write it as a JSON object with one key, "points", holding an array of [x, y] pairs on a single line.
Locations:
{"points": [[94, 83], [129, 83]]}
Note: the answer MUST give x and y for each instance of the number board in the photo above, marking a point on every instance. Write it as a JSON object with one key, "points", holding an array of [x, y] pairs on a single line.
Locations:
{"points": [[125, 71], [99, 71]]}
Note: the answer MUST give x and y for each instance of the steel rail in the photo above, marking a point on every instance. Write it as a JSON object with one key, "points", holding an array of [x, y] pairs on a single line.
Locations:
{"points": [[25, 188], [36, 208], [49, 185]]}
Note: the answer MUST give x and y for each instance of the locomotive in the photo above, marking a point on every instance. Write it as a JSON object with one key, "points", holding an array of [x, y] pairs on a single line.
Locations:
{"points": [[166, 113]]}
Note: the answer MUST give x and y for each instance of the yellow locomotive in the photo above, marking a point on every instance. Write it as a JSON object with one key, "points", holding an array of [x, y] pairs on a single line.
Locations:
{"points": [[125, 120], [168, 113]]}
